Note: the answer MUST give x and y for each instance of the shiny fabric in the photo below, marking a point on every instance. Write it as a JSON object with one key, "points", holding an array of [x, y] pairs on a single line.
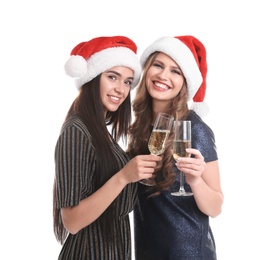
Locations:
{"points": [[173, 228], [76, 174]]}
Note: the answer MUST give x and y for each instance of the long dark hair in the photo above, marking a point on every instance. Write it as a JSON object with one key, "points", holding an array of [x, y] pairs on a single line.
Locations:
{"points": [[88, 106], [141, 128]]}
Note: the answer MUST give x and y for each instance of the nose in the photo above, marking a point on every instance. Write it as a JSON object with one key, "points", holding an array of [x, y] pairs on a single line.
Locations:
{"points": [[163, 74], [120, 88]]}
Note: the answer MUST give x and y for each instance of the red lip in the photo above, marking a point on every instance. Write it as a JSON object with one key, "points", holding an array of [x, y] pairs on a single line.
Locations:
{"points": [[160, 86]]}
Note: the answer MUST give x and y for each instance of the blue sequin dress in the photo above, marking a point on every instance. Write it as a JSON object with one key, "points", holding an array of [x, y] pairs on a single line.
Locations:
{"points": [[173, 228]]}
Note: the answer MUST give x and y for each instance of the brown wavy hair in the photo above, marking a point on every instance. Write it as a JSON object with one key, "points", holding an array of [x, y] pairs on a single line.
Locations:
{"points": [[140, 130]]}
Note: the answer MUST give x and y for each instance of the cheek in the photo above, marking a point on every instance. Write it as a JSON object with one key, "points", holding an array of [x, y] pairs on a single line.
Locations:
{"points": [[148, 74], [179, 84], [177, 89], [148, 86], [148, 77], [126, 92]]}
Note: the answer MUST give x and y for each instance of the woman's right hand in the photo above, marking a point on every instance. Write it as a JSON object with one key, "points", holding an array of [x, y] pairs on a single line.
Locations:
{"points": [[140, 167]]}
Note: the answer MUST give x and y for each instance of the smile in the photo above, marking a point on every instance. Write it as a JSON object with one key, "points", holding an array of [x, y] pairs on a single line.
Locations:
{"points": [[161, 86]]}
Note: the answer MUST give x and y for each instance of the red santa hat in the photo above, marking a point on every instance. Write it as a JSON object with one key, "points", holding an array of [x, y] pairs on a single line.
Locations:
{"points": [[91, 58], [190, 55]]}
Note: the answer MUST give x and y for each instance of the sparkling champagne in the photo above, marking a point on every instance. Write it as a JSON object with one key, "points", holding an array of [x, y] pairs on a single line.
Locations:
{"points": [[157, 141], [179, 148]]}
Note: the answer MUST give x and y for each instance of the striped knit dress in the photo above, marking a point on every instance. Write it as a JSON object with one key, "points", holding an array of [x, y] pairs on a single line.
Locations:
{"points": [[75, 177]]}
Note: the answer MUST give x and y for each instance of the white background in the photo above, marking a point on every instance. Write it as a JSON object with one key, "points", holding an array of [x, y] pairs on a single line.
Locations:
{"points": [[241, 38]]}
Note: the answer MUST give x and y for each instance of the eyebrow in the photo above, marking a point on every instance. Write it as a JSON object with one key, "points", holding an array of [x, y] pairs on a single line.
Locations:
{"points": [[174, 67], [112, 71]]}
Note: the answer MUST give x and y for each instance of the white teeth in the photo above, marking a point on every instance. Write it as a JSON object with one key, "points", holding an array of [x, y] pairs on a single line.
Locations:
{"points": [[115, 98], [159, 85]]}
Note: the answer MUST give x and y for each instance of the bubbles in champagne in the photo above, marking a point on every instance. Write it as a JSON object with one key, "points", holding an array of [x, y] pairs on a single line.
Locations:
{"points": [[157, 141], [179, 148]]}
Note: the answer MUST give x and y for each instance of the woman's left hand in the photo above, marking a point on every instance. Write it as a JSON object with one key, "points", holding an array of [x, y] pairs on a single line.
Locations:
{"points": [[193, 167]]}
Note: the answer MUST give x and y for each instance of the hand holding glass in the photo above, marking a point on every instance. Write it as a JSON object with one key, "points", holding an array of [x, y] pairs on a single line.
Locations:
{"points": [[182, 141], [158, 139]]}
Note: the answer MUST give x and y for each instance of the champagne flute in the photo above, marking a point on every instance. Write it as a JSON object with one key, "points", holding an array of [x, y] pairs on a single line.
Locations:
{"points": [[182, 141], [158, 139]]}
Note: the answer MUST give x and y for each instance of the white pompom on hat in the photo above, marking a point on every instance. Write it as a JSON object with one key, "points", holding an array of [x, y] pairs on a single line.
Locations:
{"points": [[190, 55], [91, 58]]}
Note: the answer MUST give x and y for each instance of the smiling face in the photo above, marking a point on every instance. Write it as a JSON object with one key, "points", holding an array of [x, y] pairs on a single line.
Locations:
{"points": [[164, 79], [115, 86]]}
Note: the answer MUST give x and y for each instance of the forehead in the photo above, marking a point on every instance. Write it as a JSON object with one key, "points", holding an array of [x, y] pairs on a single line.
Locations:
{"points": [[123, 70], [162, 57]]}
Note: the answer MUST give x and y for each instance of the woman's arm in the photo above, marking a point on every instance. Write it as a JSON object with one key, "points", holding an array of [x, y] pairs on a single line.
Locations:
{"points": [[204, 180], [89, 209]]}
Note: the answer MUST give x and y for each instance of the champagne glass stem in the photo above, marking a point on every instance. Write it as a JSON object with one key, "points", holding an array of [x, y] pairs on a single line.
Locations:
{"points": [[181, 189]]}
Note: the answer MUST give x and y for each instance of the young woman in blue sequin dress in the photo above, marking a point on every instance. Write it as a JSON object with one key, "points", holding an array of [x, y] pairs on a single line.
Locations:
{"points": [[166, 226]]}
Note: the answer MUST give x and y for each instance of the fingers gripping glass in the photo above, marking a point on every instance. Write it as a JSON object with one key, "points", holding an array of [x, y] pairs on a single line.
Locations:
{"points": [[182, 141], [158, 139]]}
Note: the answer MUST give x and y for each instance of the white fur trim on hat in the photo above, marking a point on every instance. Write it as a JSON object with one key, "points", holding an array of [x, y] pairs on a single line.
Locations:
{"points": [[182, 55], [100, 62], [201, 108], [76, 66]]}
